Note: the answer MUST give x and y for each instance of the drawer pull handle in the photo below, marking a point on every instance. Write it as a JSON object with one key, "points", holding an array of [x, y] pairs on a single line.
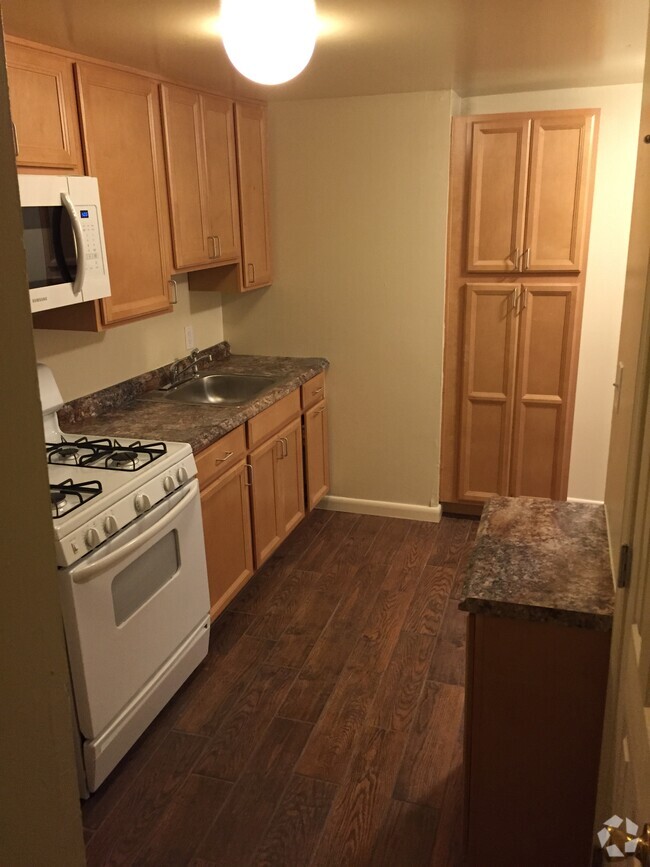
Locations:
{"points": [[317, 390], [249, 473], [224, 458]]}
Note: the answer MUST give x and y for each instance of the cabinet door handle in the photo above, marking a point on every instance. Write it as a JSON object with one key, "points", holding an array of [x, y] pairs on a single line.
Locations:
{"points": [[217, 246], [527, 259], [174, 297], [15, 137], [211, 253], [224, 458], [251, 272], [286, 447], [279, 442], [515, 259], [524, 298], [515, 299], [249, 474]]}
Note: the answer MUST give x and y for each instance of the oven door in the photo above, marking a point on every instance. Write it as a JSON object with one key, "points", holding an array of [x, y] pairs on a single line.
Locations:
{"points": [[128, 607]]}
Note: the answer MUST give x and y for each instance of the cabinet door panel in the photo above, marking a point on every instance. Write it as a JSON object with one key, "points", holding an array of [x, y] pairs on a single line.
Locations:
{"points": [[546, 375], [291, 491], [221, 175], [497, 194], [490, 339], [253, 194], [122, 136], [316, 454], [560, 170], [227, 530], [185, 159], [266, 533], [44, 110]]}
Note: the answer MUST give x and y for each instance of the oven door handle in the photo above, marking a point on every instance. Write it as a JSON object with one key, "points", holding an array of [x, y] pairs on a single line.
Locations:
{"points": [[90, 570], [68, 204]]}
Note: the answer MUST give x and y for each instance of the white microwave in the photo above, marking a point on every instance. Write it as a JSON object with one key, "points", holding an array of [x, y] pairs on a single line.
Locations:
{"points": [[64, 240]]}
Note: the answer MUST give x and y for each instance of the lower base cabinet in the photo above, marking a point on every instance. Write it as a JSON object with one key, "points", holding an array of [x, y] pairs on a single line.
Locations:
{"points": [[228, 541], [316, 454]]}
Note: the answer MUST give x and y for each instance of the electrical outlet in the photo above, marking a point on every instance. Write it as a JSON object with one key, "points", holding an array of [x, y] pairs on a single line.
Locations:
{"points": [[189, 337]]}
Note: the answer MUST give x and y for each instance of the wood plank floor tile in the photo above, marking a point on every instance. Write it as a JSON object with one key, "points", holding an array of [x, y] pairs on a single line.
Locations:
{"points": [[430, 601], [212, 701], [302, 537], [461, 569], [310, 618], [389, 541], [283, 604], [411, 557], [133, 821], [399, 691], [448, 661], [183, 823], [360, 806], [297, 824], [407, 836], [243, 821], [232, 745], [323, 550], [307, 699], [381, 631], [227, 630], [447, 850], [429, 751], [438, 554]]}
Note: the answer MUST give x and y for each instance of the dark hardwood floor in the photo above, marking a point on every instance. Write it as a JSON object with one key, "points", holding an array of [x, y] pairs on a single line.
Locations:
{"points": [[325, 725]]}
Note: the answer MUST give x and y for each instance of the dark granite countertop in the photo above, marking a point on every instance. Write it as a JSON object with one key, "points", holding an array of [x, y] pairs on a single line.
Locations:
{"points": [[541, 560], [124, 410]]}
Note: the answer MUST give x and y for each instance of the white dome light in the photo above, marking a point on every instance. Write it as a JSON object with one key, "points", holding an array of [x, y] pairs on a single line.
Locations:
{"points": [[269, 41]]}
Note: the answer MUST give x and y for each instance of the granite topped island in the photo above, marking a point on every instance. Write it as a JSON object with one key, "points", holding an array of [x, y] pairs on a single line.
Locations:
{"points": [[541, 560]]}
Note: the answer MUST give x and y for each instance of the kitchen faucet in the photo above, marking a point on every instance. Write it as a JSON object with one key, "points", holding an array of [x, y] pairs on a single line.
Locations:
{"points": [[190, 363]]}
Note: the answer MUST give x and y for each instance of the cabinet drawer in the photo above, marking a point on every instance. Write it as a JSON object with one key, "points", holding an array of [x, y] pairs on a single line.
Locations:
{"points": [[220, 456], [313, 390], [272, 419]]}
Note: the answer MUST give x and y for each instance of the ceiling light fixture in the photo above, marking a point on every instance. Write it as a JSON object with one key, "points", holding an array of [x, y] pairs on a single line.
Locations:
{"points": [[269, 41]]}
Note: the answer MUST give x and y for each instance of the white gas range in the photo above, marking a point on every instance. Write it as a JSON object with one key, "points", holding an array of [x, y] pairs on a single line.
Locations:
{"points": [[133, 579]]}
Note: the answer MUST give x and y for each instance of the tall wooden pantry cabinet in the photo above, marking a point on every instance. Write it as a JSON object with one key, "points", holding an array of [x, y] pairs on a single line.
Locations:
{"points": [[520, 204]]}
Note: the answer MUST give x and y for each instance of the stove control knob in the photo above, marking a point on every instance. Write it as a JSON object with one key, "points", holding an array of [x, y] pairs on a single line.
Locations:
{"points": [[110, 525], [182, 475], [92, 538], [142, 503], [169, 484]]}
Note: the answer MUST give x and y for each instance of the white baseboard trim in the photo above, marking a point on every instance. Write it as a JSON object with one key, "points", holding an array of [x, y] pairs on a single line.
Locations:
{"points": [[432, 514], [589, 502]]}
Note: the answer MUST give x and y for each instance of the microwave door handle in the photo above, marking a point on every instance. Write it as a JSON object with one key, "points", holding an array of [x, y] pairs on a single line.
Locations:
{"points": [[68, 204], [90, 570]]}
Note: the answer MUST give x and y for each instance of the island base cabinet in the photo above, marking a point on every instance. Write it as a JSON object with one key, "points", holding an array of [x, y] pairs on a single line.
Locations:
{"points": [[277, 489], [228, 542], [534, 718], [316, 455]]}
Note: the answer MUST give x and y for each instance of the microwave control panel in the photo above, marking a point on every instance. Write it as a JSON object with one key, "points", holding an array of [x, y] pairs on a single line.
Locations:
{"points": [[92, 243]]}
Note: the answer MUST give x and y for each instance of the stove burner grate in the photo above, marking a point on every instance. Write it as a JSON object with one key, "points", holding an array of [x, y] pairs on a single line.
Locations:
{"points": [[105, 453], [67, 496]]}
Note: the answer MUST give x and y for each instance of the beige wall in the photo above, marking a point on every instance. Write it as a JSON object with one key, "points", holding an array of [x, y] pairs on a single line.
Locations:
{"points": [[359, 203], [39, 806], [87, 362], [615, 168]]}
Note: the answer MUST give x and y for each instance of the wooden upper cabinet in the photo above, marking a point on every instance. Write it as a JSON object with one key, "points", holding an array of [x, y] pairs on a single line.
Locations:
{"points": [[43, 111], [560, 171], [123, 147], [529, 192], [250, 130], [497, 194], [201, 172]]}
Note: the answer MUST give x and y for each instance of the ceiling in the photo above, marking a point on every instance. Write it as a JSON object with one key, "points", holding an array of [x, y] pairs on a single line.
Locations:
{"points": [[366, 46]]}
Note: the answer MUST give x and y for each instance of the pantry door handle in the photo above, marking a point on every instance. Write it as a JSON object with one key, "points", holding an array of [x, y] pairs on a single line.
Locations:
{"points": [[249, 473], [224, 458]]}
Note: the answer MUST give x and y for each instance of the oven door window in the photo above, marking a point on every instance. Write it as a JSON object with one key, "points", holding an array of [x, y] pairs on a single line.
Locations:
{"points": [[49, 246], [143, 578]]}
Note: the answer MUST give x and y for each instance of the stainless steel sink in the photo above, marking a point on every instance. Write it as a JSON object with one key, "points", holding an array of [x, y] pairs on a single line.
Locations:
{"points": [[220, 389]]}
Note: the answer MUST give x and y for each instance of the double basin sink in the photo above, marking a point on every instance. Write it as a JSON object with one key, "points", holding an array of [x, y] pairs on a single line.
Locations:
{"points": [[216, 389]]}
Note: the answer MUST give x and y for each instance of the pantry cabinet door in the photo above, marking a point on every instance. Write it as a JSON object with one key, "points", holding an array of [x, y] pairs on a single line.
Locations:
{"points": [[290, 481], [497, 194], [264, 466], [43, 110], [546, 374], [123, 147], [316, 454], [221, 177], [228, 542], [250, 130], [487, 390], [560, 180], [184, 157]]}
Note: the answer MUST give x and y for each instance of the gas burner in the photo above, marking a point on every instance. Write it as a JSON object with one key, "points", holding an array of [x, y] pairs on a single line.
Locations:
{"points": [[68, 496], [122, 460], [63, 454]]}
